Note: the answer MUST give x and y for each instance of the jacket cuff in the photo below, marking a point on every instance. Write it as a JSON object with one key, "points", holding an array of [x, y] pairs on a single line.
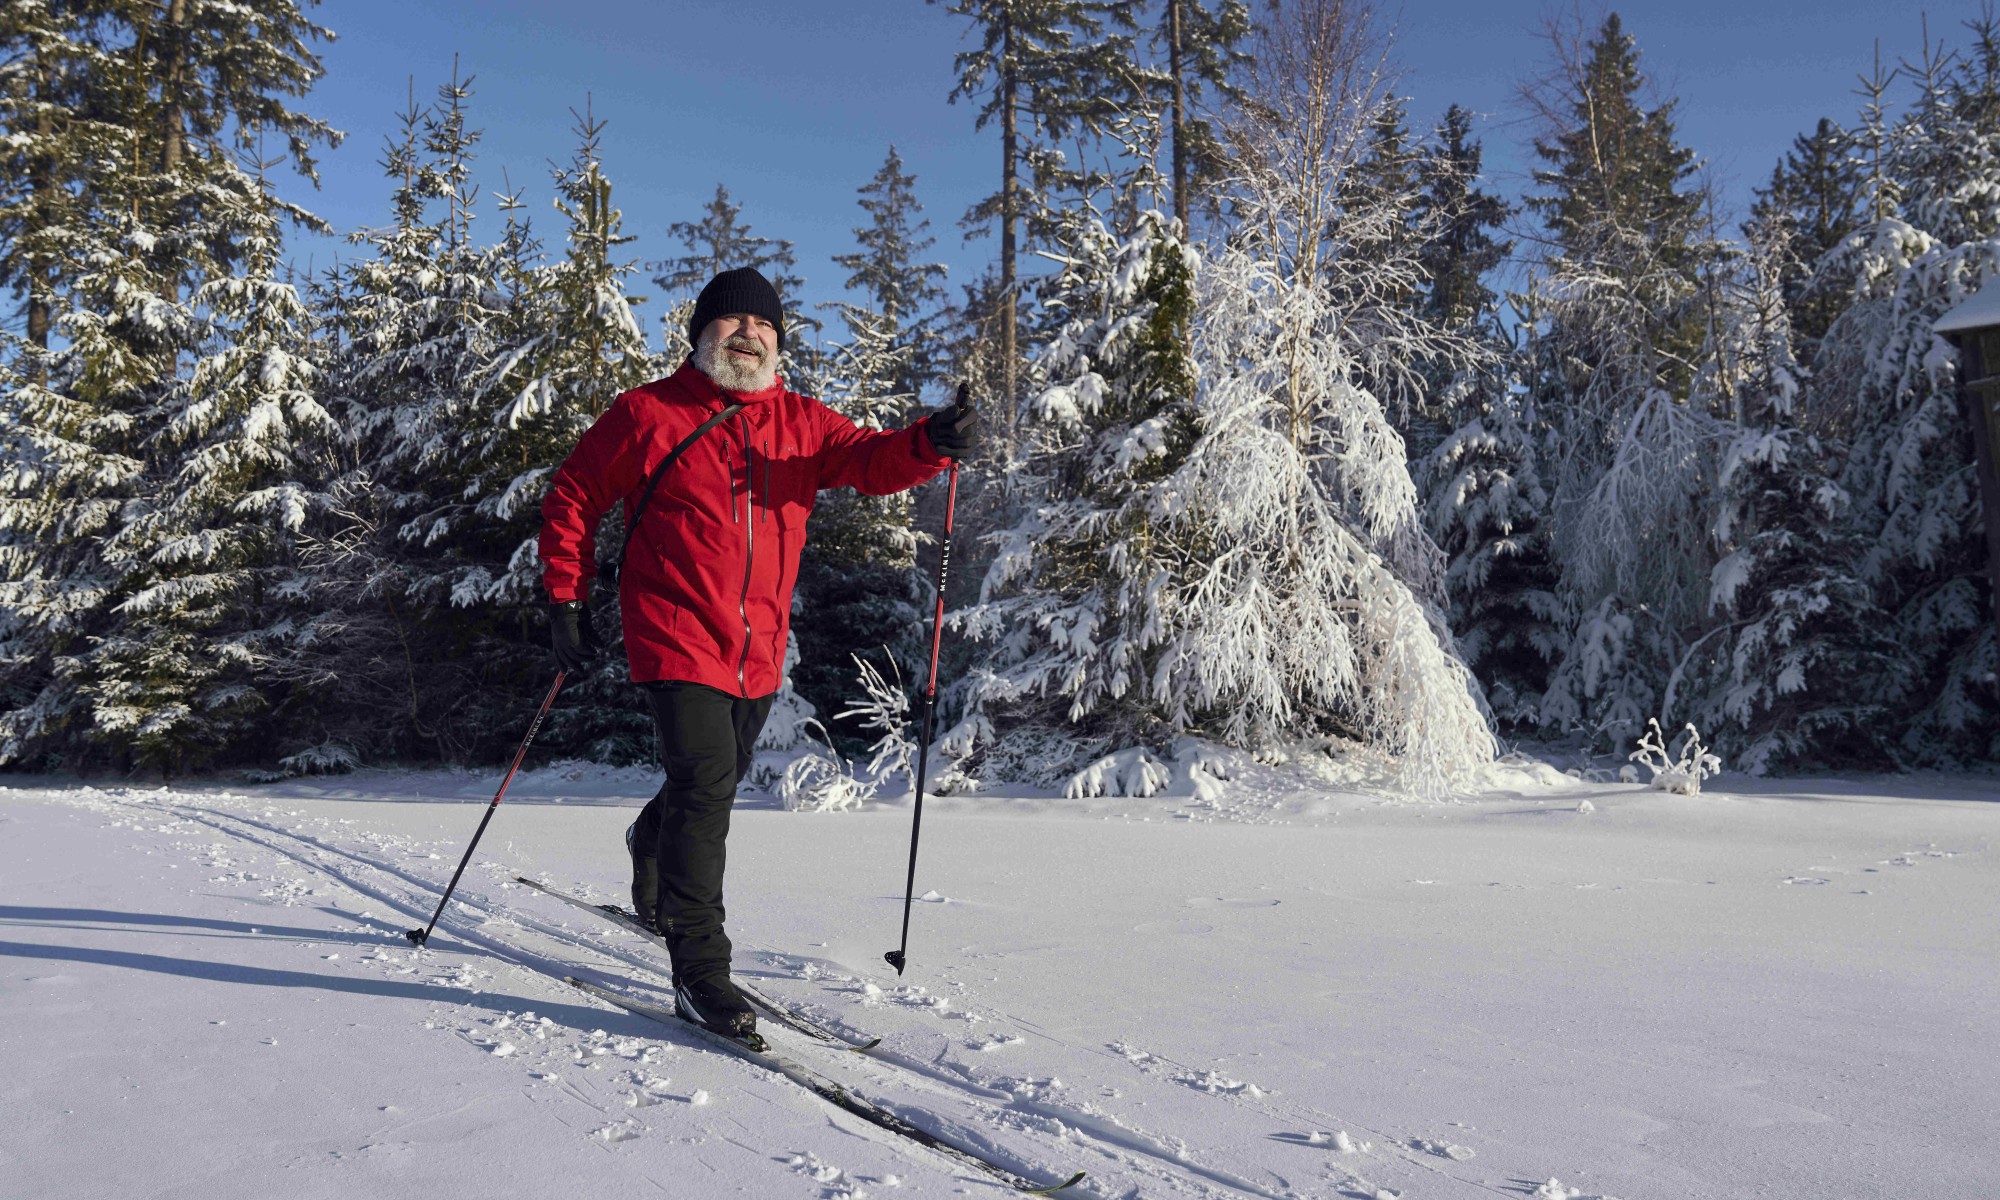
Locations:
{"points": [[926, 452]]}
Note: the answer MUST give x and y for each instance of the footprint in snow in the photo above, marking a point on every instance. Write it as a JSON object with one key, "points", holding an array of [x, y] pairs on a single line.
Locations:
{"points": [[1442, 1149], [618, 1131]]}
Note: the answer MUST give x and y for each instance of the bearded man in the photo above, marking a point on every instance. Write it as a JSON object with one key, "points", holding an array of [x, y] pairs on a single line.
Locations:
{"points": [[705, 585]]}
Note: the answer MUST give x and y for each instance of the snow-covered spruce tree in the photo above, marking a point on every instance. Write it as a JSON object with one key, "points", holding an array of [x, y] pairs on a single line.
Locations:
{"points": [[1624, 300], [857, 579], [417, 323], [1488, 510], [1077, 604], [207, 565], [1782, 680], [51, 106], [75, 466], [1888, 382], [1485, 503], [568, 344], [160, 98]]}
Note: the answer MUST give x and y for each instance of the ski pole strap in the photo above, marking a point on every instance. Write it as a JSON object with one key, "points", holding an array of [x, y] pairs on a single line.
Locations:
{"points": [[608, 572]]}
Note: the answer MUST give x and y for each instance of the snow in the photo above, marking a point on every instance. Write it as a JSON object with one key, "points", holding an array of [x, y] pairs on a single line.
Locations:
{"points": [[1977, 311], [1269, 989]]}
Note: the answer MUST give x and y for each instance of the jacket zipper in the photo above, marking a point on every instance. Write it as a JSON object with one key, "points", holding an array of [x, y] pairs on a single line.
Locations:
{"points": [[749, 556]]}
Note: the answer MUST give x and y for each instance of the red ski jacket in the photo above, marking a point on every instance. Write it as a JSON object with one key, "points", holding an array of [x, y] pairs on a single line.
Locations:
{"points": [[705, 594]]}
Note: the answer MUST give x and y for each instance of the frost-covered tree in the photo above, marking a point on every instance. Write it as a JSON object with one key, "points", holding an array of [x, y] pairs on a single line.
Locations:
{"points": [[52, 111], [418, 324], [1079, 603], [1264, 573], [895, 330], [157, 99], [75, 467], [1486, 506]]}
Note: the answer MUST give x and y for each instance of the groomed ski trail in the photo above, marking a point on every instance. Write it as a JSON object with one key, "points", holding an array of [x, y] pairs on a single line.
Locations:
{"points": [[1132, 1149]]}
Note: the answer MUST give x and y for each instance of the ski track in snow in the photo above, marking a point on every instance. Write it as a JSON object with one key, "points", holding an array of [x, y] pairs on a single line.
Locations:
{"points": [[1066, 1132]]}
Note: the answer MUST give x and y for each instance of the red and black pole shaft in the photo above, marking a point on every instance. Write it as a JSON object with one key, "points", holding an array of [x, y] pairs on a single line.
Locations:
{"points": [[897, 957], [420, 937]]}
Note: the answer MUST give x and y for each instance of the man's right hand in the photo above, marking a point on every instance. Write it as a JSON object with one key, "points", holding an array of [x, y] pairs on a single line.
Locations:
{"points": [[570, 633]]}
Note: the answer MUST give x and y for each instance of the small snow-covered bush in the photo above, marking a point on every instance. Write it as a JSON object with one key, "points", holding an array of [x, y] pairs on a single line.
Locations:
{"points": [[1682, 774], [327, 758], [886, 709], [820, 780]]}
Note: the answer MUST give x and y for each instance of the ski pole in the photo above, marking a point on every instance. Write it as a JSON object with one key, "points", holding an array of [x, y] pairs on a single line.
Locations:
{"points": [[420, 937], [896, 957]]}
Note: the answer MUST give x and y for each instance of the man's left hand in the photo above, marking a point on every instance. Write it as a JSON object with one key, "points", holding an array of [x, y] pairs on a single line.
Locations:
{"points": [[954, 431]]}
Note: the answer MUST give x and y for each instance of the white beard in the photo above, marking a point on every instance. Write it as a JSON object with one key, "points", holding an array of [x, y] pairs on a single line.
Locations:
{"points": [[730, 372]]}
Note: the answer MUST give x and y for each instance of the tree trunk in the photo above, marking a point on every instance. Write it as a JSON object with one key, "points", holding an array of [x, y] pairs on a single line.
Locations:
{"points": [[174, 87], [1009, 215], [1180, 118], [40, 274]]}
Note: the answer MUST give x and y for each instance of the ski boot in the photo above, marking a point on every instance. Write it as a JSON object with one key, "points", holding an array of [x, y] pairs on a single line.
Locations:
{"points": [[714, 1004]]}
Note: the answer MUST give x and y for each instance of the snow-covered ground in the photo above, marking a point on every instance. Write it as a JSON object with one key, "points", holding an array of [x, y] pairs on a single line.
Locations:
{"points": [[1779, 989]]}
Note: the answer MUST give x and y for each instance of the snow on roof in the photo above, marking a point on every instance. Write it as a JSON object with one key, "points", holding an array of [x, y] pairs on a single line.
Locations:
{"points": [[1981, 309]]}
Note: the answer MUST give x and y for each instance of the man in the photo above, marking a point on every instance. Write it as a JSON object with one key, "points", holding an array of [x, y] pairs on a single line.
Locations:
{"points": [[705, 587]]}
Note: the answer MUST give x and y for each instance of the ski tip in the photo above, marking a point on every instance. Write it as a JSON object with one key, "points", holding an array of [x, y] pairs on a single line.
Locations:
{"points": [[1052, 1189], [866, 1046]]}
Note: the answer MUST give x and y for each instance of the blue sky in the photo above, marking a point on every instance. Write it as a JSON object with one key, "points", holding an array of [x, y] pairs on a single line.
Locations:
{"points": [[794, 103]]}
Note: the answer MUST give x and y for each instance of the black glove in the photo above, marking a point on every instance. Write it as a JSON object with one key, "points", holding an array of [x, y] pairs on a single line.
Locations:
{"points": [[571, 633], [954, 431]]}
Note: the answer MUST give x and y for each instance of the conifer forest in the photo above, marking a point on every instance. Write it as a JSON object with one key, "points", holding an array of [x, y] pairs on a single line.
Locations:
{"points": [[1302, 435]]}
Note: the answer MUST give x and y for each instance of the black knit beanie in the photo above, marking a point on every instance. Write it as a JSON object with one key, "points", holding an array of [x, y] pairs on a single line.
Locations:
{"points": [[740, 291]]}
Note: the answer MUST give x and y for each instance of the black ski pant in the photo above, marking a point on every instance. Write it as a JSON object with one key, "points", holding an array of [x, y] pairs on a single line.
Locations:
{"points": [[706, 737]]}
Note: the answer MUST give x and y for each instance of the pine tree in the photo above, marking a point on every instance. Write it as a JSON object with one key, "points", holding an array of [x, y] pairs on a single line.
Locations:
{"points": [[1078, 602], [902, 292], [1200, 43], [418, 323], [51, 111], [1479, 441], [1460, 220], [1045, 71]]}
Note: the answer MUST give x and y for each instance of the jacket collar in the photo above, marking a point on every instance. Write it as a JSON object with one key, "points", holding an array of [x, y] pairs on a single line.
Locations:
{"points": [[697, 383]]}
